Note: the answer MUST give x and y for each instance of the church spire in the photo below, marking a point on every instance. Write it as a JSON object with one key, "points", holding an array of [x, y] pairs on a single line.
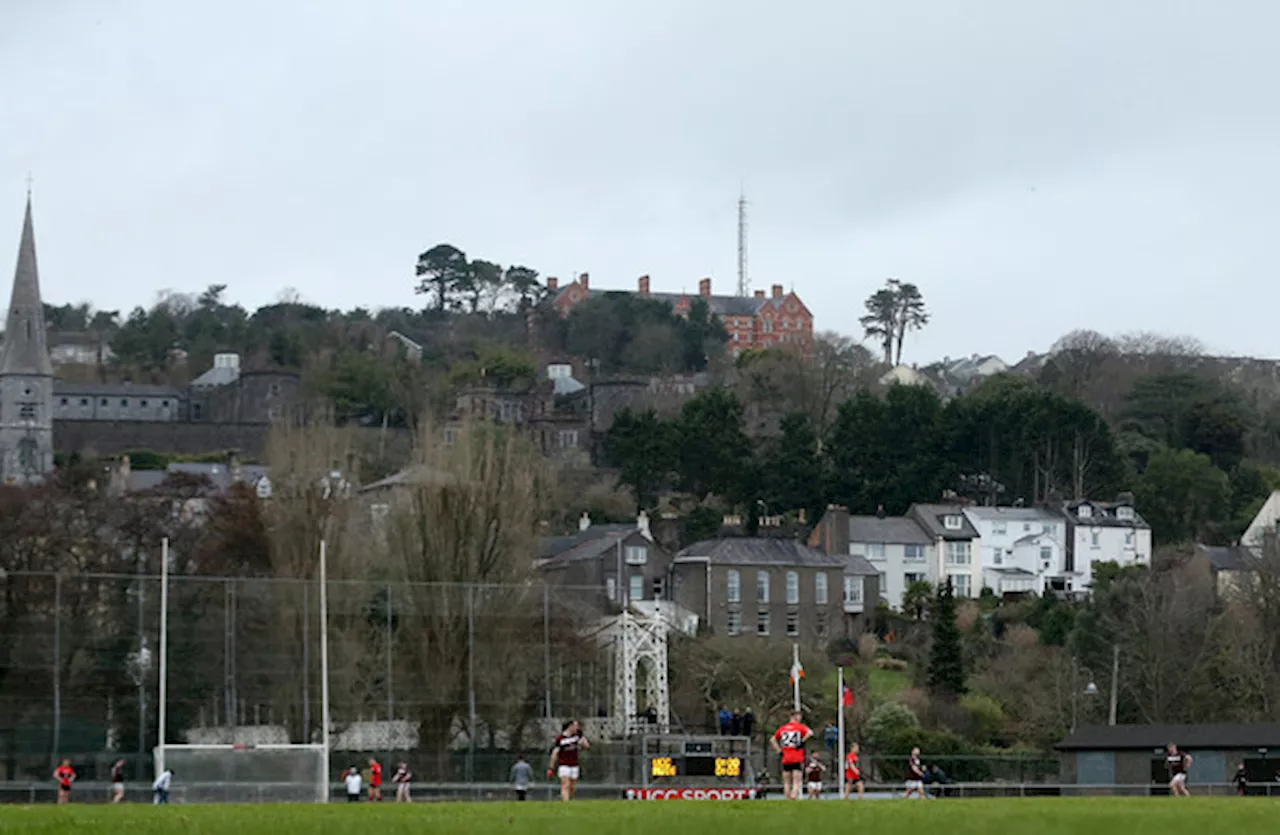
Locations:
{"points": [[26, 347]]}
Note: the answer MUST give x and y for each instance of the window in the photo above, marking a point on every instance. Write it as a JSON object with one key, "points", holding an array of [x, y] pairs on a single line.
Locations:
{"points": [[952, 522], [450, 435], [908, 579], [1128, 539], [957, 553], [1046, 555], [611, 587], [913, 552], [567, 438], [1084, 511], [960, 584], [852, 588], [875, 551], [124, 402], [103, 402], [793, 623], [273, 390], [999, 528], [659, 588], [27, 411], [27, 454], [63, 402], [143, 404], [1095, 539], [733, 586], [636, 554], [734, 624], [793, 588], [997, 556], [84, 401], [762, 622], [1046, 528], [1124, 512], [820, 588], [1026, 526], [164, 404], [636, 592], [762, 586]]}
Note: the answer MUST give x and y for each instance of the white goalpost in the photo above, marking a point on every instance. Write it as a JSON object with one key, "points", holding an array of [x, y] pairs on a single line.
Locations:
{"points": [[278, 772]]}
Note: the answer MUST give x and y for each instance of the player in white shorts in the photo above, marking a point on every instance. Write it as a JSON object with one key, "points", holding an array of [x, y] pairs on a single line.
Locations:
{"points": [[813, 776], [1178, 764], [564, 757]]}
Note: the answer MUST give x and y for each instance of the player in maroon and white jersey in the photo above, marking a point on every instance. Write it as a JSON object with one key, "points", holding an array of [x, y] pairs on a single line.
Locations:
{"points": [[1177, 762], [564, 757], [915, 776]]}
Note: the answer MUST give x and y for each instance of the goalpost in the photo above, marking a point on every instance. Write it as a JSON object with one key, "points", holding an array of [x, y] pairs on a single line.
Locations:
{"points": [[244, 773]]}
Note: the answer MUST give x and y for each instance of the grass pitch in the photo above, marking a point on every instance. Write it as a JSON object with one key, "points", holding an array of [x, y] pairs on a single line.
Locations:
{"points": [[1133, 816]]}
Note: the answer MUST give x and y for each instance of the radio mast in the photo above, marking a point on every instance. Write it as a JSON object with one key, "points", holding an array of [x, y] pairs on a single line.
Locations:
{"points": [[744, 283]]}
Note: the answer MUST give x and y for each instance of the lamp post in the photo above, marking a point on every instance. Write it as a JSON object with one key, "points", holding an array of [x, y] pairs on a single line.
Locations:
{"points": [[1115, 679], [1090, 689], [332, 486]]}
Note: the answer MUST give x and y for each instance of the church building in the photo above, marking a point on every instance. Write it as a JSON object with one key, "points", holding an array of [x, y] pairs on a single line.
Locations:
{"points": [[26, 374]]}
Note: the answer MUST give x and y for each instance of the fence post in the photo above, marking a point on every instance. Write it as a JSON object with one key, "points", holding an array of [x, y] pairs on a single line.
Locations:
{"points": [[306, 662], [391, 700], [57, 666], [546, 646], [471, 682]]}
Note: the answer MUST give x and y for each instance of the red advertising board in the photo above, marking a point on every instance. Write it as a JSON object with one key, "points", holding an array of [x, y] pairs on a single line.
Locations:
{"points": [[690, 794]]}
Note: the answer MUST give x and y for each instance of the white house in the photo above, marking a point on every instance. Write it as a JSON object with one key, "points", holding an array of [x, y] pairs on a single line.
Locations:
{"points": [[956, 543], [1266, 521], [1020, 547], [1101, 532], [898, 549]]}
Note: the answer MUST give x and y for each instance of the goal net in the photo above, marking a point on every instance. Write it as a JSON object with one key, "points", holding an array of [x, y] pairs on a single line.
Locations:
{"points": [[246, 773]]}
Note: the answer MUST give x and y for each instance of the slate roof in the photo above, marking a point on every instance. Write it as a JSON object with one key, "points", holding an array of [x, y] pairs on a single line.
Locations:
{"points": [[1104, 515], [890, 530], [1187, 737], [1014, 514], [219, 375], [1011, 572], [218, 474], [554, 546], [26, 351], [1228, 558], [758, 550], [70, 389], [930, 518], [592, 547]]}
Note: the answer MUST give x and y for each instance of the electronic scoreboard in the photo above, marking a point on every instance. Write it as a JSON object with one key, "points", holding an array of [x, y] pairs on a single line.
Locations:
{"points": [[696, 765]]}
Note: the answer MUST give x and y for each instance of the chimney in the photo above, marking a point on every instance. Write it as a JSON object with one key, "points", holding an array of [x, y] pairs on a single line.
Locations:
{"points": [[704, 287], [553, 284], [585, 281], [777, 291], [642, 525], [644, 285], [585, 521], [759, 294]]}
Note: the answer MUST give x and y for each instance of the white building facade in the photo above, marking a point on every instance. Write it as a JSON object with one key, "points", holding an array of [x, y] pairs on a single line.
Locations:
{"points": [[898, 549], [1019, 548], [1101, 532]]}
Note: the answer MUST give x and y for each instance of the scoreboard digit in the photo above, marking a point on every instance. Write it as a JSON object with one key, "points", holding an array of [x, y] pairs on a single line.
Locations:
{"points": [[662, 767], [728, 766], [696, 767]]}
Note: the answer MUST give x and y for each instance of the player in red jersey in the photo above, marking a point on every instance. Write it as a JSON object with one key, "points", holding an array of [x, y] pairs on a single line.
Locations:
{"points": [[853, 773], [375, 780], [564, 757], [789, 741], [65, 775]]}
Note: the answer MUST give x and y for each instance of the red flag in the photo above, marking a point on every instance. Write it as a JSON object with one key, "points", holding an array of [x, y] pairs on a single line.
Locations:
{"points": [[848, 697]]}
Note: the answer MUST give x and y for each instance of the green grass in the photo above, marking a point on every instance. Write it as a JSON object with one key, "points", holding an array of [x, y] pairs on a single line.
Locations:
{"points": [[1136, 816], [886, 685]]}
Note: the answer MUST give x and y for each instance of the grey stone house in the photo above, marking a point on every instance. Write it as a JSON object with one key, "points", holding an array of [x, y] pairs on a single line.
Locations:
{"points": [[622, 561], [772, 586]]}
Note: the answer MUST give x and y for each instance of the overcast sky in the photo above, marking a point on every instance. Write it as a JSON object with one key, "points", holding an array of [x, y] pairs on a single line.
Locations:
{"points": [[1033, 165]]}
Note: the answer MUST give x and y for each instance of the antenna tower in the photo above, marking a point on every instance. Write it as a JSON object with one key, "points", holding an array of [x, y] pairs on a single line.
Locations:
{"points": [[744, 283]]}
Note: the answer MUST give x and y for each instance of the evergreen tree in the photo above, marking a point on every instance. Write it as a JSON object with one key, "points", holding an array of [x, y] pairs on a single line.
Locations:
{"points": [[946, 658]]}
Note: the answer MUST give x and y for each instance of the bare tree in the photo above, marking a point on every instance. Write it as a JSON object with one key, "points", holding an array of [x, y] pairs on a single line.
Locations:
{"points": [[1149, 343], [1078, 357]]}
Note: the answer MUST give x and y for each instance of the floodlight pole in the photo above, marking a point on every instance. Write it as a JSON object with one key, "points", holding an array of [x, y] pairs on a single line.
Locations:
{"points": [[162, 706], [324, 671]]}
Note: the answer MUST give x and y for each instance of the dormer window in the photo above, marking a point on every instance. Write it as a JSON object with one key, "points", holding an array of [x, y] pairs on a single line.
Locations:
{"points": [[1124, 512], [952, 522], [1084, 511]]}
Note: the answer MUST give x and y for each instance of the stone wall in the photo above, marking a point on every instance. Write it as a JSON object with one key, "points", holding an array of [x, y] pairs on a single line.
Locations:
{"points": [[102, 437]]}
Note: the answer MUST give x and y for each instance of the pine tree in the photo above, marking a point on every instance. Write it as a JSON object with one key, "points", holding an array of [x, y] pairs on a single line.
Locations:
{"points": [[946, 658]]}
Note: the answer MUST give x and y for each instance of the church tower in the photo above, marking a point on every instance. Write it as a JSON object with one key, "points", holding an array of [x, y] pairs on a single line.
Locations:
{"points": [[26, 374]]}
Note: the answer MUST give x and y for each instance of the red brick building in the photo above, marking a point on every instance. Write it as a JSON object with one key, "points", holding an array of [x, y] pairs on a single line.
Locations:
{"points": [[756, 321]]}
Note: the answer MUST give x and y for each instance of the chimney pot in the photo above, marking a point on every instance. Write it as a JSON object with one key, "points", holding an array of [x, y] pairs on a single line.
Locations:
{"points": [[704, 287], [553, 283], [644, 285], [585, 281], [777, 291]]}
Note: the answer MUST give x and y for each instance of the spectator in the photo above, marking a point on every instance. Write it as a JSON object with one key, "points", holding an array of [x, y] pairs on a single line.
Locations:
{"points": [[735, 723], [939, 779], [831, 736], [521, 776], [748, 722], [1242, 780], [161, 787], [726, 719], [353, 782]]}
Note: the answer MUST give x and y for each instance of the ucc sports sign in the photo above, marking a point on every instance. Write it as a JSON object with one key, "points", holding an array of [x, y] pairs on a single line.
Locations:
{"points": [[690, 794]]}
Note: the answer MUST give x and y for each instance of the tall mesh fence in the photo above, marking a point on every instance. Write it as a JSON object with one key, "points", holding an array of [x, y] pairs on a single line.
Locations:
{"points": [[451, 678]]}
